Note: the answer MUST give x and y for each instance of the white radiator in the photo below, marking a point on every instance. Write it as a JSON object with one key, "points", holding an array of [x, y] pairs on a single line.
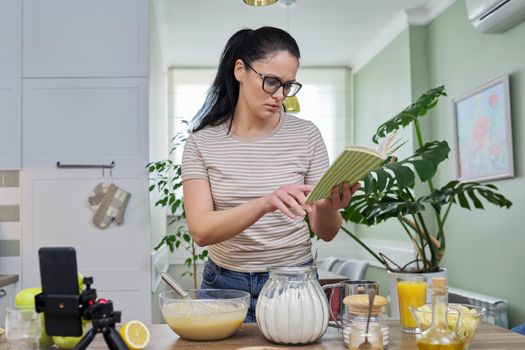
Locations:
{"points": [[497, 312]]}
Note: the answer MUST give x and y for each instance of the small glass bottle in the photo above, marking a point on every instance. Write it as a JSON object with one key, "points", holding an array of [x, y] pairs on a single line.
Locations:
{"points": [[439, 336]]}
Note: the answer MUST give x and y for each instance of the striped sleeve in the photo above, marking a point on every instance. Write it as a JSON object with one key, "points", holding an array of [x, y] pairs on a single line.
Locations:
{"points": [[318, 156], [193, 166]]}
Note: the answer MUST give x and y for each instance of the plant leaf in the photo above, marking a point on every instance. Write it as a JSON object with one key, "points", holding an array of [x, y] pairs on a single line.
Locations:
{"points": [[404, 176], [411, 113], [477, 203], [400, 175], [454, 192]]}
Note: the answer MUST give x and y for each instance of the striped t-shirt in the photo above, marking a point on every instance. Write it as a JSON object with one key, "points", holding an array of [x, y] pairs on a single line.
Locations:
{"points": [[239, 170]]}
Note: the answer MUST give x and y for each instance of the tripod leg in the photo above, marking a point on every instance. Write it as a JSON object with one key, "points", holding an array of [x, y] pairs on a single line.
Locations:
{"points": [[113, 339], [86, 339]]}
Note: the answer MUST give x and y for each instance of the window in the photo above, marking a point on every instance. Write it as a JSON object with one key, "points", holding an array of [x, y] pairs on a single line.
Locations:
{"points": [[323, 99], [186, 93]]}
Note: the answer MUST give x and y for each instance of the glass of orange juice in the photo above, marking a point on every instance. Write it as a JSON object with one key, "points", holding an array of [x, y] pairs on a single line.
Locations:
{"points": [[411, 291]]}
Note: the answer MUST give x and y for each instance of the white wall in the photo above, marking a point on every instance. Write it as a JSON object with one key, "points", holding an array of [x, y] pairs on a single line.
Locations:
{"points": [[158, 136], [158, 121]]}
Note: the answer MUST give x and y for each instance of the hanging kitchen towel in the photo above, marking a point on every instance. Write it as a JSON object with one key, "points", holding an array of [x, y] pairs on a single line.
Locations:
{"points": [[112, 206]]}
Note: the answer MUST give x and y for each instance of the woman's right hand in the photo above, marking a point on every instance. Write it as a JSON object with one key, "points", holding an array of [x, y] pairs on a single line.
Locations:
{"points": [[289, 199]]}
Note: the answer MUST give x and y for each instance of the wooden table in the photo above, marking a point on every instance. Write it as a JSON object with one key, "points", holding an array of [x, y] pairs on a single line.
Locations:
{"points": [[248, 337]]}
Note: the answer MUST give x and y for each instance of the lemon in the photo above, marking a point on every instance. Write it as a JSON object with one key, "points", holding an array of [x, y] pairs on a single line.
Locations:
{"points": [[26, 297], [135, 334], [80, 280], [46, 341], [66, 342]]}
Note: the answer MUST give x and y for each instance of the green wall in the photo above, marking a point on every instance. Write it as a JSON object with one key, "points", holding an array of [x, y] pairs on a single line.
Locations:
{"points": [[381, 89], [483, 247]]}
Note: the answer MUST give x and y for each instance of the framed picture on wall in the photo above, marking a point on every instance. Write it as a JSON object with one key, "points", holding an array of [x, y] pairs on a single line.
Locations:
{"points": [[483, 132]]}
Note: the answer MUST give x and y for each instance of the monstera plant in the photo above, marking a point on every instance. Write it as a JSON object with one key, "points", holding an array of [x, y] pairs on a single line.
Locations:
{"points": [[389, 193]]}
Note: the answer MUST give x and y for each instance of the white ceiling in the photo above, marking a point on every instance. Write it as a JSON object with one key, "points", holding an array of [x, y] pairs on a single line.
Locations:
{"points": [[329, 32]]}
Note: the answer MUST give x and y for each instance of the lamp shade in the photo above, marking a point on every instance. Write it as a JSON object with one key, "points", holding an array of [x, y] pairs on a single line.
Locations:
{"points": [[259, 2], [291, 105]]}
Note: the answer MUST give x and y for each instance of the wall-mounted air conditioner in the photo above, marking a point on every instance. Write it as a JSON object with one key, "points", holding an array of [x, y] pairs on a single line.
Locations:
{"points": [[495, 16]]}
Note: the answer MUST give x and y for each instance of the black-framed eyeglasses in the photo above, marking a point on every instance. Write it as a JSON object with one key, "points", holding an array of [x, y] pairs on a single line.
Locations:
{"points": [[272, 84]]}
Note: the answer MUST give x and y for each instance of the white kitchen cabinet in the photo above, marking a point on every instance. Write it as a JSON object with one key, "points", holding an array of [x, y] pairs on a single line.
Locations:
{"points": [[10, 83], [88, 121], [10, 124], [85, 121], [56, 213], [10, 38], [85, 101], [79, 38]]}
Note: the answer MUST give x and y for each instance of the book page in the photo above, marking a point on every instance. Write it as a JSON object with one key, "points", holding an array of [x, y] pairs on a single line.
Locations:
{"points": [[376, 153]]}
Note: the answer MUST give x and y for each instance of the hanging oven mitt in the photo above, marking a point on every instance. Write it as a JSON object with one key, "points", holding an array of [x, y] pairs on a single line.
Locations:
{"points": [[96, 196], [119, 218], [108, 202]]}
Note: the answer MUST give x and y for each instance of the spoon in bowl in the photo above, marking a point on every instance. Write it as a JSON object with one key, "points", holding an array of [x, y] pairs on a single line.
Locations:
{"points": [[184, 293], [366, 345], [175, 285]]}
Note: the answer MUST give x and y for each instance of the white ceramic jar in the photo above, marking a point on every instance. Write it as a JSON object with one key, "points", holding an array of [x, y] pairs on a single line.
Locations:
{"points": [[292, 307]]}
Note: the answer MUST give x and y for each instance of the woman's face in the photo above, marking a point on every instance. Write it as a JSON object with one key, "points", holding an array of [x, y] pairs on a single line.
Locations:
{"points": [[281, 65]]}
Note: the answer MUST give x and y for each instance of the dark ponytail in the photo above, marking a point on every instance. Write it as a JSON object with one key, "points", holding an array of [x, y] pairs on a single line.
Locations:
{"points": [[247, 45]]}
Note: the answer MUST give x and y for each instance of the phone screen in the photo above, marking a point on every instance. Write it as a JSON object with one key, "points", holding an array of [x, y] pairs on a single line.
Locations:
{"points": [[58, 275]]}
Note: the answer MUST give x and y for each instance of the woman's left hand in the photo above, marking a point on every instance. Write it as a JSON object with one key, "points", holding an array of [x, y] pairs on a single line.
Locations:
{"points": [[337, 201]]}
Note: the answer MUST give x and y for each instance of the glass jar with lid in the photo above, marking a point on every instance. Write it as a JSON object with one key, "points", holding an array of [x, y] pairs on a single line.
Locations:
{"points": [[355, 316], [292, 307], [359, 333]]}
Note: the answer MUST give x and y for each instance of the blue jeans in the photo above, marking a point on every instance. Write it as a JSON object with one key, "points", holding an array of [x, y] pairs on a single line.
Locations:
{"points": [[216, 277], [519, 329]]}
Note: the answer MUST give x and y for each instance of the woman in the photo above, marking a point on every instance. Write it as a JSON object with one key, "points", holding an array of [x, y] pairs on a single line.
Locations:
{"points": [[247, 168]]}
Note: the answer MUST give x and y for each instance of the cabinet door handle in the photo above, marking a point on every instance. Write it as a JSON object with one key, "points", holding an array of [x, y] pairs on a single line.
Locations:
{"points": [[3, 293]]}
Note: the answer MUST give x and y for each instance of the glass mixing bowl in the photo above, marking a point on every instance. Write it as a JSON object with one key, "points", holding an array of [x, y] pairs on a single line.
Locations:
{"points": [[471, 317], [211, 314]]}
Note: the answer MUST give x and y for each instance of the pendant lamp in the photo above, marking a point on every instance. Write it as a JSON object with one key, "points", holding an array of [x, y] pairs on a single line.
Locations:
{"points": [[259, 2], [291, 105]]}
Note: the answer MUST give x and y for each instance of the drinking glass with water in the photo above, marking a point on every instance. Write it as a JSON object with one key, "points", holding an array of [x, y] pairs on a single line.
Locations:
{"points": [[22, 326]]}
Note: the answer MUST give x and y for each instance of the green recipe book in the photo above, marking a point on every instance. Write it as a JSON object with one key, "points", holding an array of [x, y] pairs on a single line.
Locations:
{"points": [[352, 165]]}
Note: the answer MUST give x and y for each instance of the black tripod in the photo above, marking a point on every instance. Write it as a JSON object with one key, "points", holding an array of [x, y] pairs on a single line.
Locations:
{"points": [[64, 308], [103, 319], [65, 313]]}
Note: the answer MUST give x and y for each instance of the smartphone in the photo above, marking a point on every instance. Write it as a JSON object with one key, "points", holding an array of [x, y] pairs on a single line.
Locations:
{"points": [[60, 289]]}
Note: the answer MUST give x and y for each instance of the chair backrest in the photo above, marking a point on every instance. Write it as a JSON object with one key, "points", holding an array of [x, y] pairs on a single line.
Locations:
{"points": [[353, 269], [328, 263]]}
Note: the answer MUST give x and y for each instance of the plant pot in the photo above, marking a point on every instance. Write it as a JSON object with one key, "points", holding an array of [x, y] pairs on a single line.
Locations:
{"points": [[394, 304]]}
